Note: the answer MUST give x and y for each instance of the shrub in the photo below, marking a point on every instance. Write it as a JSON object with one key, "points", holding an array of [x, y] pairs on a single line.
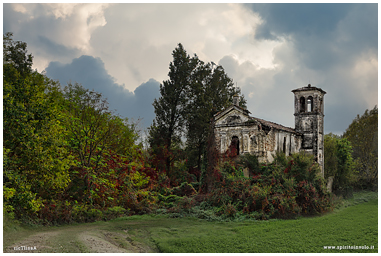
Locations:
{"points": [[185, 189], [186, 203], [93, 215], [251, 162], [229, 210], [288, 187], [168, 201], [114, 212], [56, 212]]}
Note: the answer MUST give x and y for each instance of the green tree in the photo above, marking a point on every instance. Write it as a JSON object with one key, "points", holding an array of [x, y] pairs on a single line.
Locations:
{"points": [[94, 132], [171, 107], [15, 55], [338, 161], [346, 166], [33, 132], [363, 135], [194, 92], [211, 91], [330, 155]]}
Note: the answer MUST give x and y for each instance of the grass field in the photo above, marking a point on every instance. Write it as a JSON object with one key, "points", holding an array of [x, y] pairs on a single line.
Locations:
{"points": [[355, 225], [352, 223]]}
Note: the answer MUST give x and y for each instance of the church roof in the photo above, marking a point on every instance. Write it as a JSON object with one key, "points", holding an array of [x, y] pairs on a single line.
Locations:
{"points": [[245, 111], [274, 125], [308, 88], [261, 121]]}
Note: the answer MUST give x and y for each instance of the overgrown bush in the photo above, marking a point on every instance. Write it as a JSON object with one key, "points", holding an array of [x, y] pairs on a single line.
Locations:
{"points": [[66, 212], [185, 189], [168, 201], [288, 187], [115, 212], [251, 162]]}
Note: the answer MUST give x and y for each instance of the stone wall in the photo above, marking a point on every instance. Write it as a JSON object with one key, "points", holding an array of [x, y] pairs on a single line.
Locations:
{"points": [[257, 141]]}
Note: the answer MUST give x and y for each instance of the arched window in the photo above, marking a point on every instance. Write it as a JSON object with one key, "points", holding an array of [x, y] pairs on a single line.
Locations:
{"points": [[284, 145], [309, 104], [302, 104]]}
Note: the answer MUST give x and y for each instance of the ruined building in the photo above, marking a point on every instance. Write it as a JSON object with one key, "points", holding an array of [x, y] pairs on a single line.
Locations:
{"points": [[236, 130]]}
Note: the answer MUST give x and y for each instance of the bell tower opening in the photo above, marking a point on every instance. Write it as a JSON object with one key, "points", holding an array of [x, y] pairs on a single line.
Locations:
{"points": [[309, 104], [302, 104]]}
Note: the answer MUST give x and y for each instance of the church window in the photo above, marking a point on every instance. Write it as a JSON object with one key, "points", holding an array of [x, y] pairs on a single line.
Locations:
{"points": [[302, 104]]}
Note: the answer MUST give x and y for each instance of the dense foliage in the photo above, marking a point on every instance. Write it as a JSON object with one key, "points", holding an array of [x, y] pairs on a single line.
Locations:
{"points": [[286, 188], [362, 133], [67, 157], [338, 162], [36, 156]]}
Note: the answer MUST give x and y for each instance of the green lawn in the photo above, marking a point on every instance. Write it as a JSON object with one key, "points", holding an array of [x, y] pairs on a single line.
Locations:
{"points": [[353, 226]]}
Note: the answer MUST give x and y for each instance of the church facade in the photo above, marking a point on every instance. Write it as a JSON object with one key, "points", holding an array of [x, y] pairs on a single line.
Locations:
{"points": [[235, 129]]}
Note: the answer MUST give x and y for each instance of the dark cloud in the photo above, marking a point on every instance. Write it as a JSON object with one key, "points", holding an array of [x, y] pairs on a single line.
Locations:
{"points": [[10, 18], [52, 48], [323, 34], [339, 116], [91, 73], [144, 97], [299, 19]]}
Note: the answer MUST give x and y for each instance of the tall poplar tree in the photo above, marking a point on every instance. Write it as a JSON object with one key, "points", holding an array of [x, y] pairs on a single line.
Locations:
{"points": [[171, 107]]}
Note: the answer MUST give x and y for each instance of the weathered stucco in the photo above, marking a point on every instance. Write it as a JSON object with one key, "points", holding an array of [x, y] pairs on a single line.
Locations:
{"points": [[263, 138]]}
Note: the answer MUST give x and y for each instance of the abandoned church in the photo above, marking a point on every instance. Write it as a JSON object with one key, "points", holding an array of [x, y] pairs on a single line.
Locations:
{"points": [[236, 130]]}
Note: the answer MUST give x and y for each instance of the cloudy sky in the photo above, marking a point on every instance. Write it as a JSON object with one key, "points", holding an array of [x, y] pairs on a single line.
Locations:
{"points": [[124, 51]]}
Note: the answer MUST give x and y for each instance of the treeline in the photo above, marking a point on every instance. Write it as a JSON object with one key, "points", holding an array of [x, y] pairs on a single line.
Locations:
{"points": [[352, 159]]}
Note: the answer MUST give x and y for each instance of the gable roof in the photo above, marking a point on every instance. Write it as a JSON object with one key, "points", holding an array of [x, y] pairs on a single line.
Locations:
{"points": [[225, 111], [261, 121]]}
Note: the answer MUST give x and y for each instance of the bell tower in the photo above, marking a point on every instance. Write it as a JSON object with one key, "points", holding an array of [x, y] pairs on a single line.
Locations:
{"points": [[309, 120]]}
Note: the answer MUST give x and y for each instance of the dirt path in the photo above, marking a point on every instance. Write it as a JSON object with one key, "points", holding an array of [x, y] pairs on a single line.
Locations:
{"points": [[80, 238], [96, 243]]}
